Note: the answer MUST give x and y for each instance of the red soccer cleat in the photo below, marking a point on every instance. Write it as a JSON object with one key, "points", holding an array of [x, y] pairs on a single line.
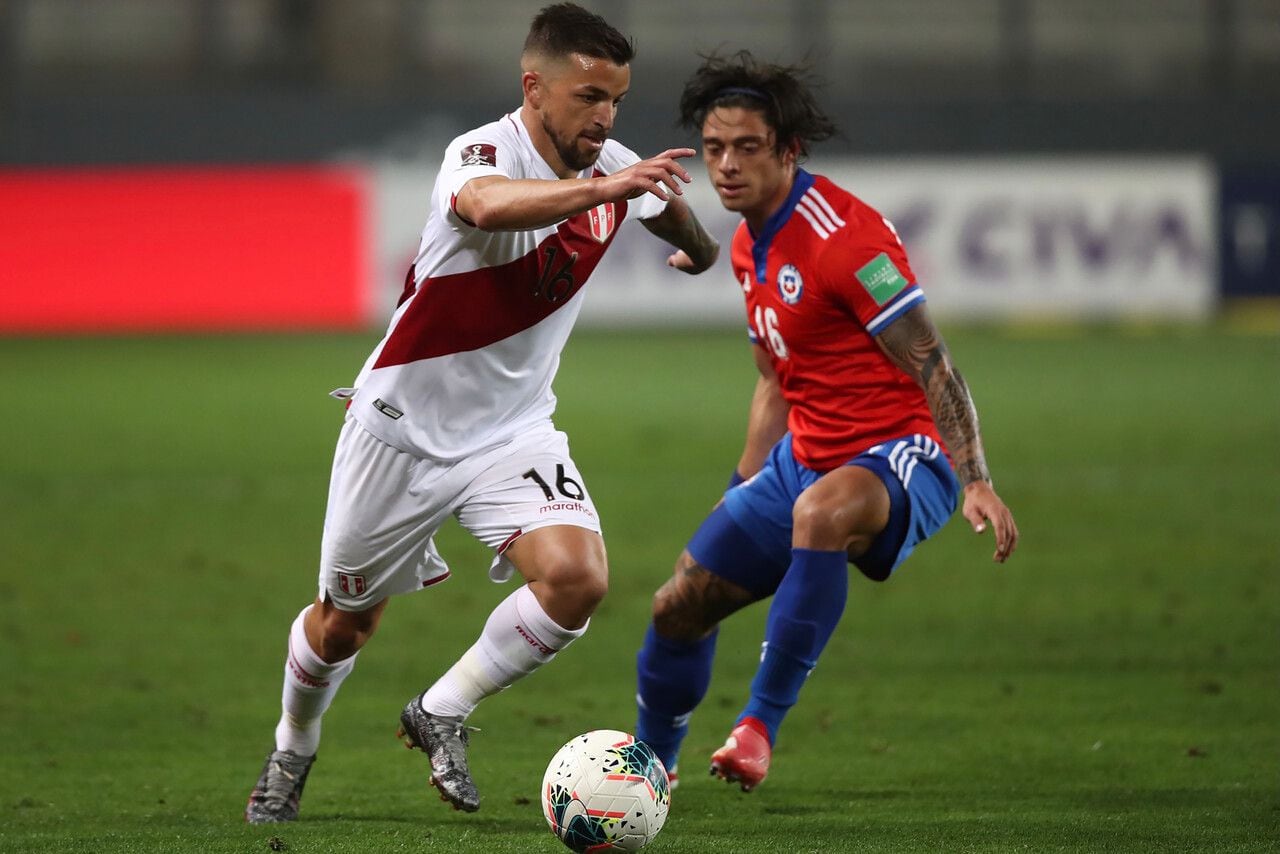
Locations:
{"points": [[744, 759]]}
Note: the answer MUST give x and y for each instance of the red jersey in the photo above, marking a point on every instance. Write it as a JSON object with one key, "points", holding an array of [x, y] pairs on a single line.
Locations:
{"points": [[826, 275]]}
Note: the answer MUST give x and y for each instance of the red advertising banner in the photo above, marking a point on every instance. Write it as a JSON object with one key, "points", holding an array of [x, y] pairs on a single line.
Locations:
{"points": [[211, 249]]}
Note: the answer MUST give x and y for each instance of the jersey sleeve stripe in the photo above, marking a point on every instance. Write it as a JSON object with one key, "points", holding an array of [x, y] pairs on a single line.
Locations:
{"points": [[826, 206], [893, 310], [809, 205], [804, 212], [453, 206]]}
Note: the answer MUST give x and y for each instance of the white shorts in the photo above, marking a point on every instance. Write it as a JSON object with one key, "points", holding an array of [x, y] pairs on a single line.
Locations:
{"points": [[386, 505]]}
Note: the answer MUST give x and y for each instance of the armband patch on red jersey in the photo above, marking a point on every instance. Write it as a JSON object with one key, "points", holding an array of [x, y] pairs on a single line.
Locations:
{"points": [[881, 278], [480, 154]]}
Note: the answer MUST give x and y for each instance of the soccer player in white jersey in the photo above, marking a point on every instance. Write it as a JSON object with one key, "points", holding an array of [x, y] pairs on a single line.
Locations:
{"points": [[451, 414]]}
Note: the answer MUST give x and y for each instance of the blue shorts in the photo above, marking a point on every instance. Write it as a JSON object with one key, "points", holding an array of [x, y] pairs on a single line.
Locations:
{"points": [[747, 539]]}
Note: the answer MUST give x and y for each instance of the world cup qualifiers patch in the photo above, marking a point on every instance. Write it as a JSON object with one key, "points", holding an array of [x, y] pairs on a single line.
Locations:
{"points": [[881, 279], [790, 284], [480, 154]]}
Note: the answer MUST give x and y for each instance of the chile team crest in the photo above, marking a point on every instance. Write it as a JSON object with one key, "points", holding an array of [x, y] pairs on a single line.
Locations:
{"points": [[790, 285], [601, 221]]}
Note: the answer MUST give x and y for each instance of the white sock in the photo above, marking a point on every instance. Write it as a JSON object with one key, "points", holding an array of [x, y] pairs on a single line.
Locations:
{"points": [[518, 638], [310, 684]]}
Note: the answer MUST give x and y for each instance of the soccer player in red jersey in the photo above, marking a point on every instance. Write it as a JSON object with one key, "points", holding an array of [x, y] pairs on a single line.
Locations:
{"points": [[861, 437]]}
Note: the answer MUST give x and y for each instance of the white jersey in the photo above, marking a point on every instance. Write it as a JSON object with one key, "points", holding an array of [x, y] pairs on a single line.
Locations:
{"points": [[469, 356]]}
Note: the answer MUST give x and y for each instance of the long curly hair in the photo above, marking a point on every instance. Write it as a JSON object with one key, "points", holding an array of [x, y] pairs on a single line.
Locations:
{"points": [[783, 93]]}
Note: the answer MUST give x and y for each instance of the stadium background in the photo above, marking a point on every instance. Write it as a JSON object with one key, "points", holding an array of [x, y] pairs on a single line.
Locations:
{"points": [[206, 209], [1120, 157]]}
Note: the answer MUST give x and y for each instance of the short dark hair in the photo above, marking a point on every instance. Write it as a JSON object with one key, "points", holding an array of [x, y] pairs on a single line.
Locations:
{"points": [[783, 93], [565, 28]]}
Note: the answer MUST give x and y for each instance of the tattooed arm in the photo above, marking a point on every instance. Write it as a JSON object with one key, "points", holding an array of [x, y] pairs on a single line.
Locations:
{"points": [[696, 249], [914, 344]]}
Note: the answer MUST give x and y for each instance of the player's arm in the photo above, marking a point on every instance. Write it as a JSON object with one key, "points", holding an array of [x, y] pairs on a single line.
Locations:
{"points": [[914, 344], [767, 420], [678, 226], [498, 203]]}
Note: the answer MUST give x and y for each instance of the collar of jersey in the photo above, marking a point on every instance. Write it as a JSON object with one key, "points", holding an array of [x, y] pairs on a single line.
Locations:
{"points": [[775, 222]]}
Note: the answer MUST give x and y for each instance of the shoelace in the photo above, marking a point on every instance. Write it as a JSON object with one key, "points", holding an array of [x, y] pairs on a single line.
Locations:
{"points": [[280, 793], [463, 733]]}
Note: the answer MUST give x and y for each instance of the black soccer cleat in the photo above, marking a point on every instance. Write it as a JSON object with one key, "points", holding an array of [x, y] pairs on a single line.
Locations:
{"points": [[444, 740], [276, 795]]}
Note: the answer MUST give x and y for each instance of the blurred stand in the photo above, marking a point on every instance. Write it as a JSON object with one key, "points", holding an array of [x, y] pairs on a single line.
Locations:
{"points": [[111, 81], [1038, 155]]}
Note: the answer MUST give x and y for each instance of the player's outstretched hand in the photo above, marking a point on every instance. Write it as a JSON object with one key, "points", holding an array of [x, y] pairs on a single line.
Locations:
{"points": [[682, 262], [658, 175], [982, 505]]}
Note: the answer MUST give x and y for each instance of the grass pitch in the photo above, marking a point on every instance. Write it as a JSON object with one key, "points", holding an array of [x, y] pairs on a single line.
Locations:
{"points": [[1113, 688]]}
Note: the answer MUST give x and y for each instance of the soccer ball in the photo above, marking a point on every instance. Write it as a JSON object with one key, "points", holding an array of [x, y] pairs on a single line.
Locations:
{"points": [[605, 791]]}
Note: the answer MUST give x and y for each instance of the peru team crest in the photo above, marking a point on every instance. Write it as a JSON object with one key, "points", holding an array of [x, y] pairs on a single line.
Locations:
{"points": [[790, 285], [601, 221], [352, 585]]}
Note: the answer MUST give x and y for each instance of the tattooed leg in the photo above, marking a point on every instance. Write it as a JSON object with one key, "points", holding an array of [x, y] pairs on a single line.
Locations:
{"points": [[674, 665], [694, 601]]}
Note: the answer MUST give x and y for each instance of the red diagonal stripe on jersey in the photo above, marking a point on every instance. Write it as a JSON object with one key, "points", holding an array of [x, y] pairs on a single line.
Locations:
{"points": [[467, 311]]}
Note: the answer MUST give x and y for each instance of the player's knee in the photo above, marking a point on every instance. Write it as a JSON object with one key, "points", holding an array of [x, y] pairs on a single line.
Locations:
{"points": [[343, 633], [592, 589], [577, 583], [820, 523]]}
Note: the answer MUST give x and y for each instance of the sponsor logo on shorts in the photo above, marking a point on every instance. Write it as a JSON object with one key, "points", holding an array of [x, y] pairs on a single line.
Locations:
{"points": [[572, 506], [480, 154], [387, 409], [352, 585]]}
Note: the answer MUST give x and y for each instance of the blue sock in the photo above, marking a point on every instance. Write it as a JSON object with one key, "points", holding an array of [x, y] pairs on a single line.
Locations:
{"points": [[672, 678], [804, 613]]}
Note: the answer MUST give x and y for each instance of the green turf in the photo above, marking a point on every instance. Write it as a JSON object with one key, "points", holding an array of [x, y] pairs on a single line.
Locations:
{"points": [[1115, 687]]}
